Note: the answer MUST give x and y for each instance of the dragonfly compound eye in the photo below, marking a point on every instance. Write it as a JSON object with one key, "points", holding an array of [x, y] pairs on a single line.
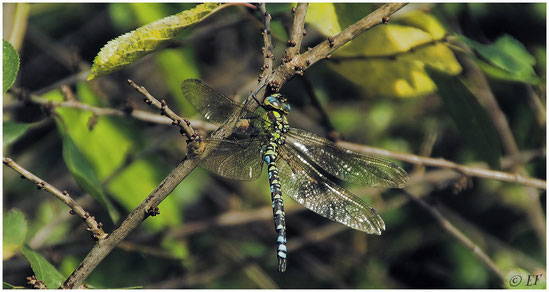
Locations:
{"points": [[288, 108]]}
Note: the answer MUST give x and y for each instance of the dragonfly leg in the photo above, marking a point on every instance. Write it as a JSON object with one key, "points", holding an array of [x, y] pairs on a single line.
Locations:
{"points": [[278, 210]]}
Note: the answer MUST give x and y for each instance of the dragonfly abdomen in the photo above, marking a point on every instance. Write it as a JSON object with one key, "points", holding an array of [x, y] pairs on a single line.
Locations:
{"points": [[278, 204]]}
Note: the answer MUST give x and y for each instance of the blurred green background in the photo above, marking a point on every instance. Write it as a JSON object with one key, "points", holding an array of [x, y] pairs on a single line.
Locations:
{"points": [[217, 233]]}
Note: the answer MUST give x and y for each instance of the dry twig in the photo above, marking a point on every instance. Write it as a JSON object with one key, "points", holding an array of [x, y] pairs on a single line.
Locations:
{"points": [[438, 162], [94, 227]]}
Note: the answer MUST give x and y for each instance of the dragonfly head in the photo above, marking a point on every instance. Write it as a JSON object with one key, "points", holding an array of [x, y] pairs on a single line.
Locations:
{"points": [[277, 102]]}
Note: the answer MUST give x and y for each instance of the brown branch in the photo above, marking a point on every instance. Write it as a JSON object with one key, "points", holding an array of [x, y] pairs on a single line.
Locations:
{"points": [[438, 162], [267, 50], [134, 219], [297, 32], [105, 111], [450, 228], [182, 123], [94, 227], [321, 51]]}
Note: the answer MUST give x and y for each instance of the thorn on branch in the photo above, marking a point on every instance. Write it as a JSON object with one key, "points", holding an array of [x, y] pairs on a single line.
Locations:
{"points": [[328, 57], [293, 9], [385, 19], [40, 185], [304, 32], [291, 43], [153, 211], [274, 85], [71, 211], [331, 41], [92, 122]]}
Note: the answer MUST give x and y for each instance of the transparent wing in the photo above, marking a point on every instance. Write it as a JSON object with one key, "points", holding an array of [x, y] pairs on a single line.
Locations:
{"points": [[213, 105], [345, 164], [310, 188], [235, 160]]}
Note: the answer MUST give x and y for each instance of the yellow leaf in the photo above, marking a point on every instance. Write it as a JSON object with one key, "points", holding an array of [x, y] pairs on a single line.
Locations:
{"points": [[385, 40], [323, 17], [402, 77], [423, 21]]}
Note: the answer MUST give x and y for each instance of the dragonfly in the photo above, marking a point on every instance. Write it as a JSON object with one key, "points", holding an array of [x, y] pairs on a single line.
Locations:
{"points": [[300, 164]]}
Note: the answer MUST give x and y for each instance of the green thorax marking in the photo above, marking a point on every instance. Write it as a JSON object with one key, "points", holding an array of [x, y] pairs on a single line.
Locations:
{"points": [[275, 122]]}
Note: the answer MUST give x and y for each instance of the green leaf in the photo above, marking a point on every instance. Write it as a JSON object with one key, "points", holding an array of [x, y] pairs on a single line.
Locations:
{"points": [[10, 65], [469, 116], [14, 232], [43, 270], [85, 176], [132, 46], [506, 59], [12, 131]]}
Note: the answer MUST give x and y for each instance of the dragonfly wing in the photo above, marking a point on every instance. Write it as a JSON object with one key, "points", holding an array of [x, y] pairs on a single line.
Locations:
{"points": [[235, 160], [345, 164], [212, 104], [310, 188]]}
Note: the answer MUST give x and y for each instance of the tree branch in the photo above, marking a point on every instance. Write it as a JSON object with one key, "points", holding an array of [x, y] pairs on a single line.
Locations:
{"points": [[321, 51], [182, 123], [134, 219], [438, 162], [297, 32], [93, 226]]}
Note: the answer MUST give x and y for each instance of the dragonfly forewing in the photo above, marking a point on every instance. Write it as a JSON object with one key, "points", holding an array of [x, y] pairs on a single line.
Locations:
{"points": [[345, 164]]}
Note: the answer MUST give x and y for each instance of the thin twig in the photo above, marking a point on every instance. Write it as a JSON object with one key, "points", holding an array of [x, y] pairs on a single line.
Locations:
{"points": [[450, 228], [438, 162], [268, 56], [93, 226], [182, 123], [99, 111], [297, 31]]}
